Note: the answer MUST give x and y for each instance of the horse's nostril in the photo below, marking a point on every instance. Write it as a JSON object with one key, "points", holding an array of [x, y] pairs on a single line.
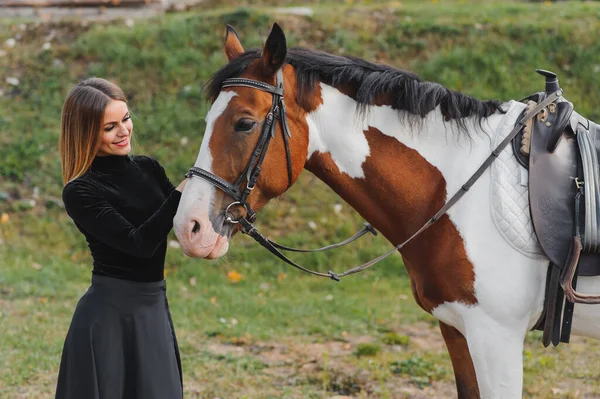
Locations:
{"points": [[196, 227]]}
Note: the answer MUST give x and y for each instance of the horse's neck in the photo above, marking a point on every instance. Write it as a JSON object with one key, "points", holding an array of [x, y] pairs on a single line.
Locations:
{"points": [[381, 167]]}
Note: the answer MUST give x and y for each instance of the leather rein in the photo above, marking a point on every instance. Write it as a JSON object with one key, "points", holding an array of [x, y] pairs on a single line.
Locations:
{"points": [[240, 194]]}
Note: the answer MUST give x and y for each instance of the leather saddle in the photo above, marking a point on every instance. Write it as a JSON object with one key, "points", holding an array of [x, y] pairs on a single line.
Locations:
{"points": [[553, 170], [556, 161]]}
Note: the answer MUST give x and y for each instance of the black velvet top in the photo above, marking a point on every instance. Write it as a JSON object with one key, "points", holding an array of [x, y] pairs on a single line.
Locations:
{"points": [[124, 206]]}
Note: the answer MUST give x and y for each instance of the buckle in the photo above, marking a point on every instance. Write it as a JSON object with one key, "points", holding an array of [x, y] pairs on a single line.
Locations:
{"points": [[228, 216]]}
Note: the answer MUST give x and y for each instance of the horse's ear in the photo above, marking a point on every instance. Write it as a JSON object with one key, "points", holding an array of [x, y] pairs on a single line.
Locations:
{"points": [[275, 50], [233, 47]]}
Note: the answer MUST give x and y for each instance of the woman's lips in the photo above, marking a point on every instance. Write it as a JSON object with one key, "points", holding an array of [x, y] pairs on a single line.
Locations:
{"points": [[122, 143]]}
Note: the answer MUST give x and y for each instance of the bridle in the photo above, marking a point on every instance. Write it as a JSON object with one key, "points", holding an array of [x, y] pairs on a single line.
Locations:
{"points": [[237, 191], [240, 194]]}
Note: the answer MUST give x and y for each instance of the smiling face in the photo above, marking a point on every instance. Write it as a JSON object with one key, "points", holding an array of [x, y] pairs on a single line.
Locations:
{"points": [[116, 129]]}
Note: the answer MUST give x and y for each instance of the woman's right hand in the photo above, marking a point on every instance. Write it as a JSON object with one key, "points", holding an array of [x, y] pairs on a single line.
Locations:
{"points": [[181, 185]]}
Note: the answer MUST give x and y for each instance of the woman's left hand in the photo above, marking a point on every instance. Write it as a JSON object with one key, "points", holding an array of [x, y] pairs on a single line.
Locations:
{"points": [[181, 185]]}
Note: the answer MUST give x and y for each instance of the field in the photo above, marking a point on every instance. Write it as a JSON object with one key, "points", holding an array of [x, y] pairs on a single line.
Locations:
{"points": [[249, 326]]}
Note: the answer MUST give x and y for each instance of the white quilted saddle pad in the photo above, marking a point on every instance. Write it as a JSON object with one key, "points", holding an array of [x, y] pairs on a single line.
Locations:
{"points": [[510, 193]]}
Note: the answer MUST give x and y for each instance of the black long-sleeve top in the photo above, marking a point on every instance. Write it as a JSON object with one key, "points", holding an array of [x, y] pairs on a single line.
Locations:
{"points": [[124, 206]]}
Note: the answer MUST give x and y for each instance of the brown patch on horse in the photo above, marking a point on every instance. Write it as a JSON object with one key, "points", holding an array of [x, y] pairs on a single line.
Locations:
{"points": [[436, 261], [464, 371], [292, 96]]}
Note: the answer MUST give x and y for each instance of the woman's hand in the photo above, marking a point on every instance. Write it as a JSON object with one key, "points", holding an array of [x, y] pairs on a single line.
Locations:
{"points": [[181, 185]]}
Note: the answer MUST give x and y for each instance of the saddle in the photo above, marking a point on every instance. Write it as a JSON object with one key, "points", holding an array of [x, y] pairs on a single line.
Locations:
{"points": [[561, 150]]}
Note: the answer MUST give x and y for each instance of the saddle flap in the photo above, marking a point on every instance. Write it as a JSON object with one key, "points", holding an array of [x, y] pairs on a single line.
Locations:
{"points": [[552, 187]]}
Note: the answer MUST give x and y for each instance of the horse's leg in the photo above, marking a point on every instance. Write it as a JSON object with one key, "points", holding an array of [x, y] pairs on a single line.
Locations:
{"points": [[464, 372], [497, 353]]}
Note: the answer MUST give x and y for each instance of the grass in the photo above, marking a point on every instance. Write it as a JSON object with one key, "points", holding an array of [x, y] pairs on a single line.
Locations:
{"points": [[275, 333]]}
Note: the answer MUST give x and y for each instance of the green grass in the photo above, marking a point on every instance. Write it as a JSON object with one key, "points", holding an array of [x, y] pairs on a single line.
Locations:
{"points": [[276, 333]]}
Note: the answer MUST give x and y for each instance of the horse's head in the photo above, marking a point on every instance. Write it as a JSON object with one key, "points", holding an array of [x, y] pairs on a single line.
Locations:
{"points": [[252, 149]]}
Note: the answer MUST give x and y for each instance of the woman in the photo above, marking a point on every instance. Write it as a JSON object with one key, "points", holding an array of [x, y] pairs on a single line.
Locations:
{"points": [[121, 342]]}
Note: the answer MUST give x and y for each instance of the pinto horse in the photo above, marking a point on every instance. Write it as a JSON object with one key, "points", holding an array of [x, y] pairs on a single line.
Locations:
{"points": [[394, 148]]}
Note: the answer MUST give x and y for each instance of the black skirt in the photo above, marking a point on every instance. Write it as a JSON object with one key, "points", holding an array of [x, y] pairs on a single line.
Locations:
{"points": [[121, 344]]}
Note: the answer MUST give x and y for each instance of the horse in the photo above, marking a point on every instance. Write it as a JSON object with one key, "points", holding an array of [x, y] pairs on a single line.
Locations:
{"points": [[394, 148]]}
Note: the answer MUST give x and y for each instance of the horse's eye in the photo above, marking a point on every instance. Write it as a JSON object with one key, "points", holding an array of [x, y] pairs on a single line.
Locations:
{"points": [[244, 125]]}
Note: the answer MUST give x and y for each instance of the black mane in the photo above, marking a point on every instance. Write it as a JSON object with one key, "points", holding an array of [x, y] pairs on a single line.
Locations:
{"points": [[366, 82]]}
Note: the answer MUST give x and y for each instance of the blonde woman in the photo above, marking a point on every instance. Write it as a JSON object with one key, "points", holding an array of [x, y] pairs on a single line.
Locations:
{"points": [[121, 343]]}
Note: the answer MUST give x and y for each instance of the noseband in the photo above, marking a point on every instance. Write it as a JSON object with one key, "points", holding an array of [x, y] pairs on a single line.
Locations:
{"points": [[237, 191]]}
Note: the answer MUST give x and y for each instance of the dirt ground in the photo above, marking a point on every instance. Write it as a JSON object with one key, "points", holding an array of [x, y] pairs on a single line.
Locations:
{"points": [[289, 361]]}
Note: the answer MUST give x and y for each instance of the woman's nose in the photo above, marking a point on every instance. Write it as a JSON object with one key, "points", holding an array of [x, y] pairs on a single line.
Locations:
{"points": [[123, 131]]}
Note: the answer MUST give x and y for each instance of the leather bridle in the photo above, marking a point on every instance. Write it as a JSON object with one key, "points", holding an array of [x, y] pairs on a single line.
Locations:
{"points": [[240, 194], [237, 191]]}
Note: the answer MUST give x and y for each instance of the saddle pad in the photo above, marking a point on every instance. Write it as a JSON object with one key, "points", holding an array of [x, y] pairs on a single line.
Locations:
{"points": [[510, 193]]}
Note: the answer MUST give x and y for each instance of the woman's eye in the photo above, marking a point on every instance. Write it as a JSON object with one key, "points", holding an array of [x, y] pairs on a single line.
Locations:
{"points": [[244, 125], [108, 129], [128, 117]]}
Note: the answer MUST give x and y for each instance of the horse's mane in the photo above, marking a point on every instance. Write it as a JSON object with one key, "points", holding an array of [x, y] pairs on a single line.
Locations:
{"points": [[365, 82]]}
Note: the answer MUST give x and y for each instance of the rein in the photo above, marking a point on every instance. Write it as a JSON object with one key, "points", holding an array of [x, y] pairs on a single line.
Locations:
{"points": [[252, 171]]}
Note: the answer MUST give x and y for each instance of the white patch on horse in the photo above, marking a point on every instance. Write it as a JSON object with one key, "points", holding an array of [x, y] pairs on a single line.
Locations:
{"points": [[198, 192], [333, 130], [205, 159]]}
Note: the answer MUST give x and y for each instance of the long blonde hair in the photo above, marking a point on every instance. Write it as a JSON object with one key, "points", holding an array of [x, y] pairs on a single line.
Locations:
{"points": [[81, 124]]}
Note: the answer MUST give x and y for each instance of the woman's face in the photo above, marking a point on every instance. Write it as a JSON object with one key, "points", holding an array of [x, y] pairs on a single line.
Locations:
{"points": [[116, 130]]}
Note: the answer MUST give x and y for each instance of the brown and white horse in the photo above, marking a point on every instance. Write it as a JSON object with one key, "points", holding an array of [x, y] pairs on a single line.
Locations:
{"points": [[395, 148]]}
